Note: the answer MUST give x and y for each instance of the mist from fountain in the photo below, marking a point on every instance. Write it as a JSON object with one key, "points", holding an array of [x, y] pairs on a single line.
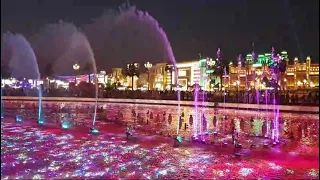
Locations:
{"points": [[196, 123], [132, 35], [79, 43], [68, 46], [257, 92], [22, 61], [267, 118], [79, 40], [203, 123], [275, 75], [146, 17]]}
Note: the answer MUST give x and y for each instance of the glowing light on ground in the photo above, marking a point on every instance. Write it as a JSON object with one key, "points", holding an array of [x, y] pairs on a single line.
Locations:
{"points": [[31, 152]]}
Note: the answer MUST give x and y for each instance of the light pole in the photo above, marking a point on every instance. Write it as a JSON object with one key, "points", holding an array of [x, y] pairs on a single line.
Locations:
{"points": [[148, 66], [76, 67]]}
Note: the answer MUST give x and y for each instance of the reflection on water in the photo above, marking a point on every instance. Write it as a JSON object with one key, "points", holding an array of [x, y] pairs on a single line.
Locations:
{"points": [[163, 118]]}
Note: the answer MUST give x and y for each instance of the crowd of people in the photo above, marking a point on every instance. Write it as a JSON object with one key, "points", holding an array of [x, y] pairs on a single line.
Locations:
{"points": [[306, 97]]}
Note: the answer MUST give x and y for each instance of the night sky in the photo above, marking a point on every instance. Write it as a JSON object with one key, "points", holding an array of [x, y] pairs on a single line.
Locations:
{"points": [[192, 26]]}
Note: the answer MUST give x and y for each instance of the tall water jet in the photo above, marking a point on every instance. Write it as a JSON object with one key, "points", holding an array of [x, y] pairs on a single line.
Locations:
{"points": [[22, 60], [196, 109], [224, 90], [68, 46], [203, 119], [275, 75], [267, 118], [223, 120], [80, 44], [257, 89], [131, 35]]}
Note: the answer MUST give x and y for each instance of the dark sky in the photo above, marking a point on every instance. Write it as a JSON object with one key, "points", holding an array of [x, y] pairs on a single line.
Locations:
{"points": [[192, 26]]}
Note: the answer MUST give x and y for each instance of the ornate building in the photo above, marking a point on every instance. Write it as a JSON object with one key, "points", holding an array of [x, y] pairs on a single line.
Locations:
{"points": [[252, 71], [254, 74], [159, 77]]}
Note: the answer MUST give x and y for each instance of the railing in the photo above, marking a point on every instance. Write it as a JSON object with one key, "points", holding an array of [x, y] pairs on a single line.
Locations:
{"points": [[282, 98]]}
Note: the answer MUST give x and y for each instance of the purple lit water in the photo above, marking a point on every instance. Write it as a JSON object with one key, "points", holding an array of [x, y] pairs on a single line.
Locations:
{"points": [[196, 123]]}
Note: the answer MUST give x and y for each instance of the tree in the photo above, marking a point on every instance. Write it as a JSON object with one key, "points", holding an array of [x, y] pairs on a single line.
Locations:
{"points": [[132, 70]]}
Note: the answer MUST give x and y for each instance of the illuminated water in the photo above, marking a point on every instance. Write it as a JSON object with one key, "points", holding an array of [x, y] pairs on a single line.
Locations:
{"points": [[21, 60]]}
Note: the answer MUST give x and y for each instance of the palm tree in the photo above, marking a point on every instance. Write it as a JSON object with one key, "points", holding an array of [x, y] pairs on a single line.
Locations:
{"points": [[132, 70]]}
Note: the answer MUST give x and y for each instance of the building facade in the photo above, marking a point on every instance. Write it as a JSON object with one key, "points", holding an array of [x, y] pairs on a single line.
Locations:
{"points": [[297, 75]]}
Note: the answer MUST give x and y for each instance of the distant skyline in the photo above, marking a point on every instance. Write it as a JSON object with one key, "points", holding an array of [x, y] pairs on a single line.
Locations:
{"points": [[192, 26]]}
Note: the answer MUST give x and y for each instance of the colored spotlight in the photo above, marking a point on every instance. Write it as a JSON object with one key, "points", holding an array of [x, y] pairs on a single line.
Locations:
{"points": [[94, 131], [41, 120], [179, 139], [65, 125], [19, 118]]}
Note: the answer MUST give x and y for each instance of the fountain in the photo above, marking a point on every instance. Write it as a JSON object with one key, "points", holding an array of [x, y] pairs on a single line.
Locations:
{"points": [[68, 46], [275, 76], [197, 122], [224, 100], [80, 42], [267, 118], [40, 112], [257, 92], [128, 27], [22, 62]]}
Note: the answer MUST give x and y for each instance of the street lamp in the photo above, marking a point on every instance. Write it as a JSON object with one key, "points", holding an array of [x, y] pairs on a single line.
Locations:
{"points": [[148, 66], [76, 67], [211, 62]]}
